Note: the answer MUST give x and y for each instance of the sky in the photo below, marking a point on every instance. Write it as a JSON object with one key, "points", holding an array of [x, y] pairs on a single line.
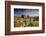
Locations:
{"points": [[29, 12]]}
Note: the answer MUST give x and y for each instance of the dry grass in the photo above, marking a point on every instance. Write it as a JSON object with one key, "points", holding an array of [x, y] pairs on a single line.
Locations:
{"points": [[20, 22]]}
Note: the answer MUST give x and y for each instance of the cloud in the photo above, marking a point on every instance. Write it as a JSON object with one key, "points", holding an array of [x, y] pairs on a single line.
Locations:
{"points": [[29, 12]]}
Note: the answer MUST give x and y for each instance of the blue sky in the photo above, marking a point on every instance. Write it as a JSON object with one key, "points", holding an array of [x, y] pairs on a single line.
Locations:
{"points": [[29, 12]]}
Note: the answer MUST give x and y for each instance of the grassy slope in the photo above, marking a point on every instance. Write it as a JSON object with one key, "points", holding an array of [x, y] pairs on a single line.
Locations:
{"points": [[20, 22]]}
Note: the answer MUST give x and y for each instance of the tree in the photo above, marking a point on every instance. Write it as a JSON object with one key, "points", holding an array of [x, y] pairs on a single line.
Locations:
{"points": [[22, 16], [27, 16]]}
